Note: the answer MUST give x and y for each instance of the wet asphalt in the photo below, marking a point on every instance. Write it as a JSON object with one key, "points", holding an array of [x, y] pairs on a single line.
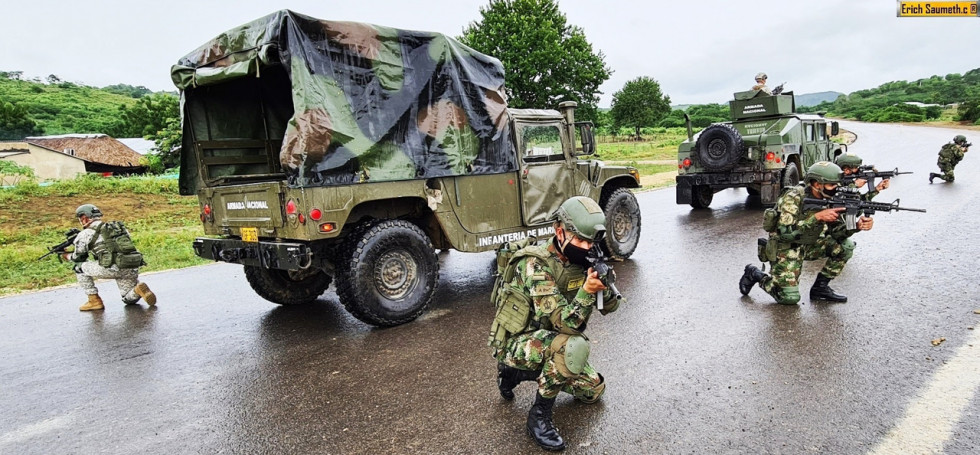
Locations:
{"points": [[692, 366]]}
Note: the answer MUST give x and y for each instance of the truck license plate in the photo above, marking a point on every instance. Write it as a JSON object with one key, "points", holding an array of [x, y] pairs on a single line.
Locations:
{"points": [[250, 234]]}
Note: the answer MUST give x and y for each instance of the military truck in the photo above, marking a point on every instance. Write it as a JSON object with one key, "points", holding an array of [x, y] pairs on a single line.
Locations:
{"points": [[764, 148], [342, 152]]}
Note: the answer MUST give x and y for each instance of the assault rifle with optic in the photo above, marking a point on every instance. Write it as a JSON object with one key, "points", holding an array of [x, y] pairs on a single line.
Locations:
{"points": [[597, 260], [854, 207], [869, 173], [60, 248]]}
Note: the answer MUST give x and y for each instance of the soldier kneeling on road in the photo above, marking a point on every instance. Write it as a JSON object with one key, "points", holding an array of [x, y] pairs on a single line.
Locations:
{"points": [[545, 296], [797, 235], [115, 257]]}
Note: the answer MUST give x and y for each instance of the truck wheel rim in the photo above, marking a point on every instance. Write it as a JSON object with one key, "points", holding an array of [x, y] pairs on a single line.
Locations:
{"points": [[395, 275], [717, 148], [622, 225]]}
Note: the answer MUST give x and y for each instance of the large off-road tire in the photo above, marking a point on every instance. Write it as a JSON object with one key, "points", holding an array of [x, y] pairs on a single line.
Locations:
{"points": [[287, 287], [622, 224], [791, 176], [719, 147], [701, 196], [388, 274]]}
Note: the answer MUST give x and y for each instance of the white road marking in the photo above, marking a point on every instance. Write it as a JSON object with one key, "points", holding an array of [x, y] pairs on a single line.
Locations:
{"points": [[929, 420], [27, 432]]}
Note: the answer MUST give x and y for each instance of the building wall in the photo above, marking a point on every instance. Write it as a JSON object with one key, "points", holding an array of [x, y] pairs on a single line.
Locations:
{"points": [[47, 164]]}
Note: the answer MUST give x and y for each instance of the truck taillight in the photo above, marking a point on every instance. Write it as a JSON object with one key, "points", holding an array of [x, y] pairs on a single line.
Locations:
{"points": [[687, 163], [771, 156], [316, 214], [328, 227], [207, 209], [290, 207]]}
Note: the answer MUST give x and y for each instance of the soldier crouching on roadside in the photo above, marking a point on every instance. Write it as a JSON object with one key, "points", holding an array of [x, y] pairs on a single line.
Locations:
{"points": [[544, 302], [115, 257], [796, 235]]}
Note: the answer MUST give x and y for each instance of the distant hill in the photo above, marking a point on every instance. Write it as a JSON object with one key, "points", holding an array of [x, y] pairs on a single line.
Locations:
{"points": [[813, 99]]}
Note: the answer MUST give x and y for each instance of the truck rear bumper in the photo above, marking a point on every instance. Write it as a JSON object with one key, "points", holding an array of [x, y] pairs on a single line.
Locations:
{"points": [[722, 180], [270, 255]]}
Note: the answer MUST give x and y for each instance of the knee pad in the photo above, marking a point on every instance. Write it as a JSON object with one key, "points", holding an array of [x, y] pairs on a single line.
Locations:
{"points": [[596, 392], [848, 245], [571, 354], [789, 295]]}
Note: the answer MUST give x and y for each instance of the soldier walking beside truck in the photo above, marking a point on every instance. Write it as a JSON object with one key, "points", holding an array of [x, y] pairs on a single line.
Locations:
{"points": [[949, 156]]}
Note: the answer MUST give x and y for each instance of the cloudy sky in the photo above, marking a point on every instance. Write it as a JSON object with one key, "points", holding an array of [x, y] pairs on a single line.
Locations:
{"points": [[699, 51]]}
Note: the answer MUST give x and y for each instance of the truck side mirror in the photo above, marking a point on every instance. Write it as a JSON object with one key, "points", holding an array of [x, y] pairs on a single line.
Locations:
{"points": [[587, 138], [834, 128]]}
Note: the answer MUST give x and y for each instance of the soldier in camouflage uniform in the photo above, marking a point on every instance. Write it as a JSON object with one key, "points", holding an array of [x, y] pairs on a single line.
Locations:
{"points": [[850, 163], [806, 236], [760, 83], [949, 156], [552, 348], [130, 288]]}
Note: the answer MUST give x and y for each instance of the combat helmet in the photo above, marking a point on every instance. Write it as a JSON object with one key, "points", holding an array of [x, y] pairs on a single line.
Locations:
{"points": [[582, 216], [88, 210], [849, 159], [823, 172], [960, 140], [761, 76]]}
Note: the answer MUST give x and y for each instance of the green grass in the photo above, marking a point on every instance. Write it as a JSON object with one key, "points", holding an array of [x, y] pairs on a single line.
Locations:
{"points": [[660, 146]]}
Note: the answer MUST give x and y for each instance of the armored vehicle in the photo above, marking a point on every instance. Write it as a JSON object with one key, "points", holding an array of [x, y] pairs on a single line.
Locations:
{"points": [[342, 152], [763, 148]]}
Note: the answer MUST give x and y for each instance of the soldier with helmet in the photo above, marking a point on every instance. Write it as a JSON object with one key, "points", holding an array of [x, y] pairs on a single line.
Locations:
{"points": [[796, 235], [553, 290], [850, 164], [760, 83], [109, 262], [949, 156]]}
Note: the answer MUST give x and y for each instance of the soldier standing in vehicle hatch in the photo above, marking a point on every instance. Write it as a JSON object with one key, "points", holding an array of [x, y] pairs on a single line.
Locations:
{"points": [[760, 83], [553, 281]]}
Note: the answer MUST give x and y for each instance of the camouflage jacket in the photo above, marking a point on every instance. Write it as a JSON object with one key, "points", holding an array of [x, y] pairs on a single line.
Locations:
{"points": [[83, 240], [951, 153], [799, 227], [559, 302]]}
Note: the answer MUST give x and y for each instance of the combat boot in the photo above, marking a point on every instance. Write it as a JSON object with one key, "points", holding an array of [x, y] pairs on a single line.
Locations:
{"points": [[751, 276], [144, 291], [932, 175], [94, 303], [541, 427], [821, 290], [509, 377]]}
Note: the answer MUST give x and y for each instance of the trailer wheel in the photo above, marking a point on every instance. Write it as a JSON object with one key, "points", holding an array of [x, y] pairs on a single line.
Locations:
{"points": [[622, 224], [388, 274], [287, 287], [701, 196], [719, 147]]}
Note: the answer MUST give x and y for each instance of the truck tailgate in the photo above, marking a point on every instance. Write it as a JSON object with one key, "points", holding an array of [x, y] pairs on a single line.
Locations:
{"points": [[253, 205]]}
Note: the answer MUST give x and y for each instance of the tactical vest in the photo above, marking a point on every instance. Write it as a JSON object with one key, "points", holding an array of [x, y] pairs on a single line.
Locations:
{"points": [[514, 308], [116, 247]]}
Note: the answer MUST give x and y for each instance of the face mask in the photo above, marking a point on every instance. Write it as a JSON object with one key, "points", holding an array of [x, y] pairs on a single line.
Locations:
{"points": [[575, 255], [828, 193]]}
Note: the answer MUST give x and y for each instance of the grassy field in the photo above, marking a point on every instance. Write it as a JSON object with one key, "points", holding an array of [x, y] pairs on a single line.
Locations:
{"points": [[163, 225]]}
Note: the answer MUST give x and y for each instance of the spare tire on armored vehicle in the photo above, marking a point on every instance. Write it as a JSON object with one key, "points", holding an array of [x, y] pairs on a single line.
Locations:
{"points": [[719, 147]]}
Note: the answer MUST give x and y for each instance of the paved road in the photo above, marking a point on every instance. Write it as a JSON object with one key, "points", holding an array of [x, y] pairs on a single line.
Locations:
{"points": [[692, 366]]}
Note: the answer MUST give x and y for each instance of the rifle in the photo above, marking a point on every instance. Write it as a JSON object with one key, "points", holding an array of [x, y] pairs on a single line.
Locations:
{"points": [[869, 173], [779, 89], [597, 260], [61, 247], [850, 199]]}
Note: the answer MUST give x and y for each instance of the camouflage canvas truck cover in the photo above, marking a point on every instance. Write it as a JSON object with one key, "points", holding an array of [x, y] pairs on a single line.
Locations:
{"points": [[325, 151], [764, 148]]}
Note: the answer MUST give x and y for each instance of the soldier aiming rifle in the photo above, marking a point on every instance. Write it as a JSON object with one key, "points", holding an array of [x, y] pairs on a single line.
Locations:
{"points": [[61, 248]]}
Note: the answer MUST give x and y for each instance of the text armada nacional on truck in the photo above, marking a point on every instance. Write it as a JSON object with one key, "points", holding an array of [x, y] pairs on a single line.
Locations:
{"points": [[316, 160], [765, 148]]}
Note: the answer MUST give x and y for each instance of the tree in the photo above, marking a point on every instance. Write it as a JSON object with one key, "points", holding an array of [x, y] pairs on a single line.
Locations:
{"points": [[640, 103], [15, 123], [167, 149], [148, 116], [546, 60]]}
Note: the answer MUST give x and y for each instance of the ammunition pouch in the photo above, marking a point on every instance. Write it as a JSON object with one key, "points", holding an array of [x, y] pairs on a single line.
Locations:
{"points": [[512, 315], [763, 250], [770, 220], [570, 354]]}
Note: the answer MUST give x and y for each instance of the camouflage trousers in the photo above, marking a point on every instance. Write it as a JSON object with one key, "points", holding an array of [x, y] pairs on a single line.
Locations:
{"points": [[946, 166], [530, 351], [783, 283], [126, 280]]}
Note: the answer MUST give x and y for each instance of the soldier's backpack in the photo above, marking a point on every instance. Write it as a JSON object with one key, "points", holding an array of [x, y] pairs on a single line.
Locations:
{"points": [[513, 307], [117, 247]]}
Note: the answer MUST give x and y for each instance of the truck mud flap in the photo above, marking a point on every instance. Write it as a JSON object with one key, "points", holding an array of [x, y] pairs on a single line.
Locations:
{"points": [[284, 256]]}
